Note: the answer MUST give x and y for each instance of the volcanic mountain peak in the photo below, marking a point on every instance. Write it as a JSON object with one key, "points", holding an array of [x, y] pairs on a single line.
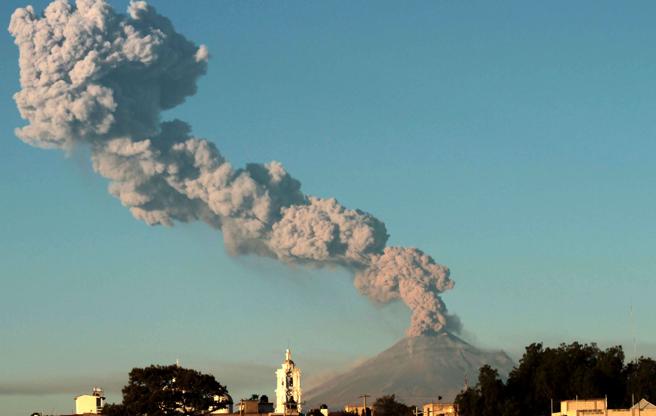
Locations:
{"points": [[416, 369]]}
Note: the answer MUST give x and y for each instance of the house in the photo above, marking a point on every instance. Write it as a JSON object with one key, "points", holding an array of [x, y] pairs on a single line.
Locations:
{"points": [[359, 409], [90, 403], [599, 407], [440, 409]]}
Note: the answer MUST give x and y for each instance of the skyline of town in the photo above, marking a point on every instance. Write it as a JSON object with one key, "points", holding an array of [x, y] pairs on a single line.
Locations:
{"points": [[634, 380]]}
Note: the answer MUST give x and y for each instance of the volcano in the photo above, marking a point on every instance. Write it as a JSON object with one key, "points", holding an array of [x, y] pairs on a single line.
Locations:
{"points": [[415, 369]]}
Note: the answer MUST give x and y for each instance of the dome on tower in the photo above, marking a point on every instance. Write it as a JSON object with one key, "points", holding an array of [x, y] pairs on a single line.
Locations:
{"points": [[224, 398]]}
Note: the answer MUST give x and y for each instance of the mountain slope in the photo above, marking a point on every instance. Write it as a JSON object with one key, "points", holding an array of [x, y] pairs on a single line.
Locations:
{"points": [[416, 369]]}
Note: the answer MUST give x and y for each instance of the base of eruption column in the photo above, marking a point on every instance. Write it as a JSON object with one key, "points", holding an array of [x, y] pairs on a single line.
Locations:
{"points": [[416, 369]]}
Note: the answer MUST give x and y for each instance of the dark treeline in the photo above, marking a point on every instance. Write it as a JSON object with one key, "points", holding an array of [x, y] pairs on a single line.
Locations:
{"points": [[562, 373]]}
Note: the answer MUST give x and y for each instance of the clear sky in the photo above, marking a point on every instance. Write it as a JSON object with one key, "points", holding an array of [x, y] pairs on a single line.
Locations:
{"points": [[513, 141]]}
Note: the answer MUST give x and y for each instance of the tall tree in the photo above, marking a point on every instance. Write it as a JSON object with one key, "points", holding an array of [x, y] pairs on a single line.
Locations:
{"points": [[640, 376], [389, 406], [168, 391], [560, 373]]}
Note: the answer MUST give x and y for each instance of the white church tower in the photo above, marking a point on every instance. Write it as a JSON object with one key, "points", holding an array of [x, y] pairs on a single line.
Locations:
{"points": [[288, 387]]}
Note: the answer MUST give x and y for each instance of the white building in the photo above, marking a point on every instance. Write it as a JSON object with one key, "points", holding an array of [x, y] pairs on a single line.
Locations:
{"points": [[599, 407], [90, 403], [440, 409], [288, 387]]}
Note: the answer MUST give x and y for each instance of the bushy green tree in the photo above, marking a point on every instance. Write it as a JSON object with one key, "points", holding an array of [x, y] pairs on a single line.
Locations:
{"points": [[114, 410], [641, 380], [167, 391], [488, 397], [560, 373], [389, 406]]}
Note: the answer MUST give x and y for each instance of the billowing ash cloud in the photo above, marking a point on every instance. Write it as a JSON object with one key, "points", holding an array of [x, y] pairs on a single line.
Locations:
{"points": [[92, 76], [414, 277]]}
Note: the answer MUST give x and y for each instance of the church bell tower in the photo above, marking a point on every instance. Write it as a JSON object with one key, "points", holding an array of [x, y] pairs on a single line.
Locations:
{"points": [[288, 387]]}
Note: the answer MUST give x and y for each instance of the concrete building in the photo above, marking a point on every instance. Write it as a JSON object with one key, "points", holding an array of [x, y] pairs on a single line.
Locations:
{"points": [[440, 409], [90, 403], [599, 407], [429, 409], [288, 387], [254, 406]]}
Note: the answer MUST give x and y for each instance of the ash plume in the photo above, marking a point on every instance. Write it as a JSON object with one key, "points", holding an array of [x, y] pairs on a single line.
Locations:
{"points": [[91, 76]]}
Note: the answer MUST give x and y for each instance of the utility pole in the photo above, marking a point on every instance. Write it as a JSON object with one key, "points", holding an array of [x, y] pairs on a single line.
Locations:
{"points": [[364, 398]]}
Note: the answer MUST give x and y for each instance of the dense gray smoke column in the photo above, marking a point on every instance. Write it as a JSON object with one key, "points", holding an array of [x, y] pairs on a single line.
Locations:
{"points": [[92, 76]]}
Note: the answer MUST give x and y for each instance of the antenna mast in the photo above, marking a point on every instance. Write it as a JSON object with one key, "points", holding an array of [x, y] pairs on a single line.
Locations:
{"points": [[633, 334]]}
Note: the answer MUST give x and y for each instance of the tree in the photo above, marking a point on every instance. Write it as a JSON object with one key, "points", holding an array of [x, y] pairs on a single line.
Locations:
{"points": [[560, 373], [487, 398], [640, 376], [389, 406], [114, 410], [469, 402], [168, 391]]}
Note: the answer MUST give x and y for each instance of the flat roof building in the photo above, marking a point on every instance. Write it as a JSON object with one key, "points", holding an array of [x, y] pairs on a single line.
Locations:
{"points": [[90, 403], [599, 407], [440, 409]]}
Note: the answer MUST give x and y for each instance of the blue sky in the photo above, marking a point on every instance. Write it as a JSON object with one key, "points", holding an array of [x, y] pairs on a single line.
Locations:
{"points": [[513, 141]]}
